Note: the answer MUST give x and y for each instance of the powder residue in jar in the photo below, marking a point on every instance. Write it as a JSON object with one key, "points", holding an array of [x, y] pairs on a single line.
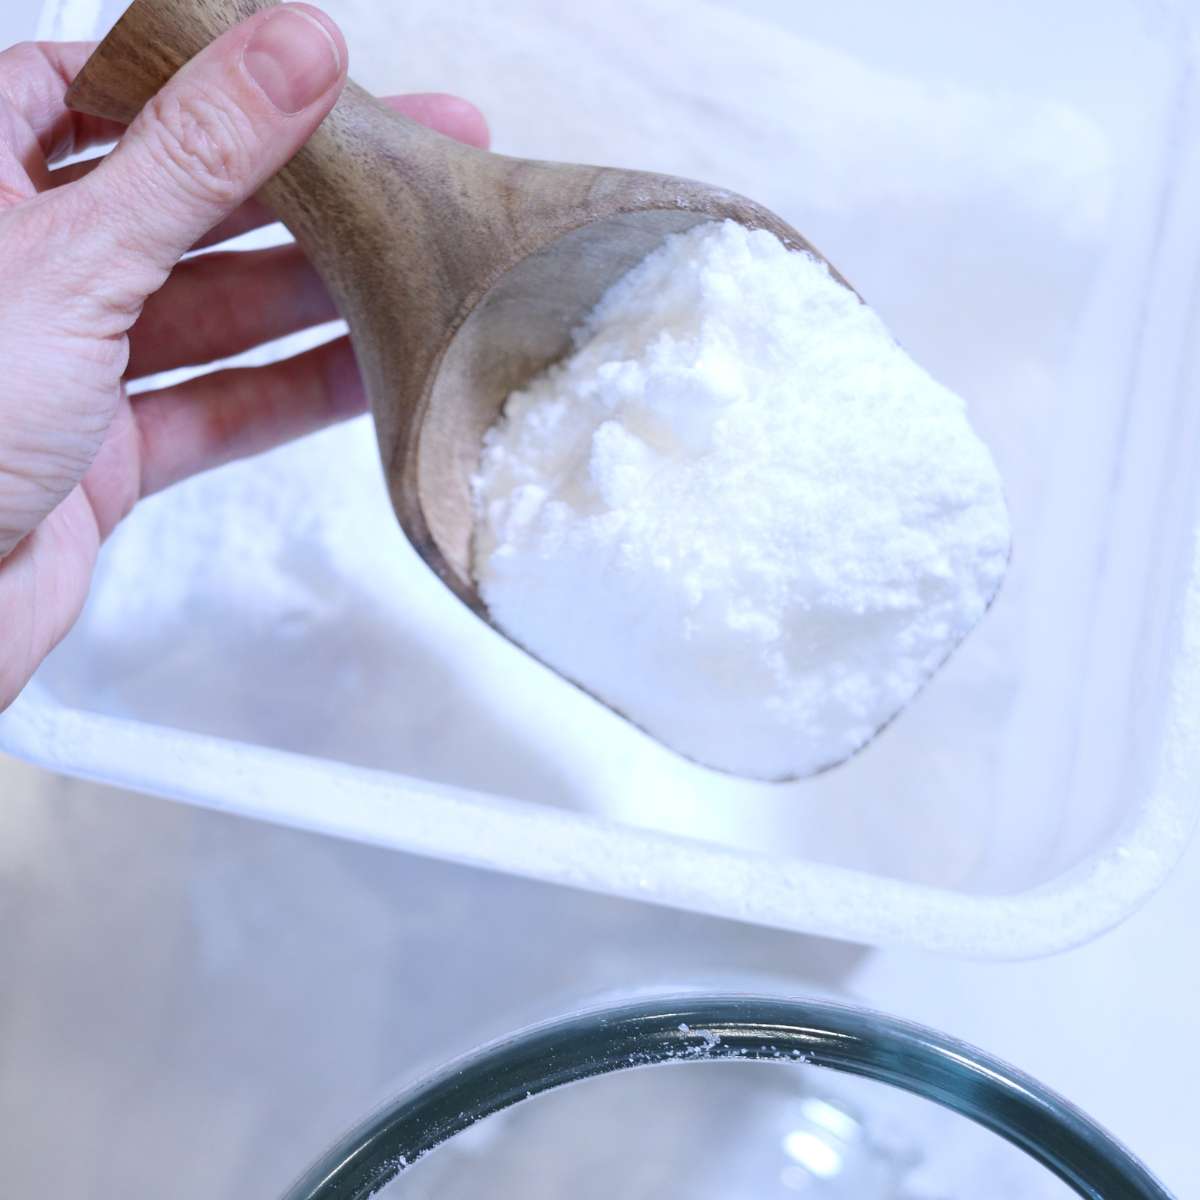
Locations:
{"points": [[738, 512]]}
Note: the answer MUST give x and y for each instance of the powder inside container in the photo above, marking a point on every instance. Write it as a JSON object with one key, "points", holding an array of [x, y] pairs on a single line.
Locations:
{"points": [[738, 512]]}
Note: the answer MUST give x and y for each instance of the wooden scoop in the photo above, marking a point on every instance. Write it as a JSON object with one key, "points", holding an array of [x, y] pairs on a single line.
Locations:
{"points": [[460, 273]]}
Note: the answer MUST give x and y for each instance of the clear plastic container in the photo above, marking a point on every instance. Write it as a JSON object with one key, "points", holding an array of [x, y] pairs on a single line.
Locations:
{"points": [[1016, 195]]}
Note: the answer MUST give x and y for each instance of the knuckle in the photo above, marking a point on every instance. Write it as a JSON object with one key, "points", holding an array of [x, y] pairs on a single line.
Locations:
{"points": [[28, 76], [20, 53], [81, 279], [203, 142], [16, 62]]}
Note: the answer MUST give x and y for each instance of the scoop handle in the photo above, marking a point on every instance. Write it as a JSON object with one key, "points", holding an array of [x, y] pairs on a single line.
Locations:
{"points": [[324, 181], [373, 198], [151, 41]]}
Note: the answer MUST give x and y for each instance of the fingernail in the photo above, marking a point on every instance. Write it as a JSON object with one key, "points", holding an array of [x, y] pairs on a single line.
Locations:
{"points": [[293, 58]]}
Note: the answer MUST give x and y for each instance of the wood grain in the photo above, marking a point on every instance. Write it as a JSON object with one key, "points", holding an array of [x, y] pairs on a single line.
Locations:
{"points": [[461, 273]]}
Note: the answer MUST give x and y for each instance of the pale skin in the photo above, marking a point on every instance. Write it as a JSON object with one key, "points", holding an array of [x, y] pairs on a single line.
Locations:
{"points": [[93, 295]]}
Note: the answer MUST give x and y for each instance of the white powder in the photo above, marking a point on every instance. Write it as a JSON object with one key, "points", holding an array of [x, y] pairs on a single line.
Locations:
{"points": [[739, 513], [275, 601]]}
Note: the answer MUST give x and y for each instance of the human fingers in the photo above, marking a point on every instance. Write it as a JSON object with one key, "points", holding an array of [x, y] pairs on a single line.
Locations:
{"points": [[215, 418], [89, 255], [34, 77], [212, 136], [450, 115], [217, 305], [43, 584]]}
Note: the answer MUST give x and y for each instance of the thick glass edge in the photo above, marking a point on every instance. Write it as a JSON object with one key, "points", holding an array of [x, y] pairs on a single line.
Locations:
{"points": [[704, 1028]]}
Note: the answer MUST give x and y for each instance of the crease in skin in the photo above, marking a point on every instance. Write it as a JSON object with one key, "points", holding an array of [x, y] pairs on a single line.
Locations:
{"points": [[51, 67]]}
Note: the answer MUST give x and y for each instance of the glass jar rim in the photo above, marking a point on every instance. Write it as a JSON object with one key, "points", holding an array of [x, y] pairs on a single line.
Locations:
{"points": [[705, 1028]]}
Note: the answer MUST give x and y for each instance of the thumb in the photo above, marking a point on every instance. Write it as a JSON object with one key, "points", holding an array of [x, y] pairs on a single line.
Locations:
{"points": [[227, 122]]}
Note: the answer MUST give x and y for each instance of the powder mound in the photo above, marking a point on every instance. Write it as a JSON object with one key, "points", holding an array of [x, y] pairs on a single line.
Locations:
{"points": [[738, 512]]}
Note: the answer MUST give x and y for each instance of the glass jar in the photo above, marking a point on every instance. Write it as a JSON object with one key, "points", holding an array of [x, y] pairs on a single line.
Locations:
{"points": [[820, 1134]]}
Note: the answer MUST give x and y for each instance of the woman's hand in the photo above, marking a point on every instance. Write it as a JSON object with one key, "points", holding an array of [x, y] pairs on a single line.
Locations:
{"points": [[92, 294]]}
